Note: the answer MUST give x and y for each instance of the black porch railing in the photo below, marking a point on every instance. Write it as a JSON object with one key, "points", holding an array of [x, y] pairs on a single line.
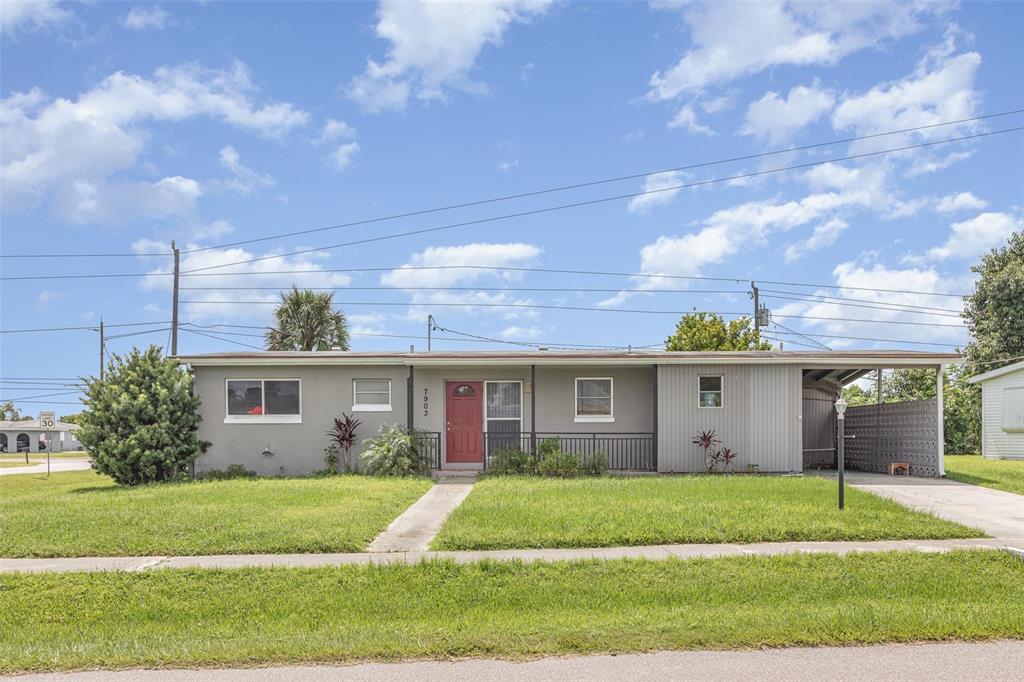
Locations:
{"points": [[622, 451], [428, 447]]}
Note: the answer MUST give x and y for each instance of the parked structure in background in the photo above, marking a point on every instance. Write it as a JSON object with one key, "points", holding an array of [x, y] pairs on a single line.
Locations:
{"points": [[640, 410], [1002, 412], [29, 436]]}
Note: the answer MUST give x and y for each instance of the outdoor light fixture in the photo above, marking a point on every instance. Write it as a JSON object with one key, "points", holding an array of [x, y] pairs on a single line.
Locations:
{"points": [[267, 452], [840, 410]]}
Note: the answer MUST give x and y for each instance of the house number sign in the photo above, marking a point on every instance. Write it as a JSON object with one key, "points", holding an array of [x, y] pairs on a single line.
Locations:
{"points": [[426, 402]]}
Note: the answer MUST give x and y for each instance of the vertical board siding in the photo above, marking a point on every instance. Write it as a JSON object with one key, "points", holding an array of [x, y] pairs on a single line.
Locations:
{"points": [[995, 442], [819, 426], [760, 417]]}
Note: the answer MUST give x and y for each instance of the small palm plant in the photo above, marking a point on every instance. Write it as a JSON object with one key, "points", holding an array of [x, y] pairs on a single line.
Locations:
{"points": [[705, 440], [343, 436], [726, 456]]}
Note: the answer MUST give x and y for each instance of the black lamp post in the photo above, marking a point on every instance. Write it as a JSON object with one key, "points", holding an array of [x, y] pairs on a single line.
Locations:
{"points": [[840, 410]]}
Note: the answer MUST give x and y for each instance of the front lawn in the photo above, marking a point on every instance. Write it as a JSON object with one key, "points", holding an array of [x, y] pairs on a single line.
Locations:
{"points": [[83, 514], [1001, 474], [507, 609], [525, 512]]}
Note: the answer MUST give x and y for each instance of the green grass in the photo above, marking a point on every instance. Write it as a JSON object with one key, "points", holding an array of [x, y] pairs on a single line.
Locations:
{"points": [[504, 513], [19, 463], [513, 610], [1001, 474], [84, 514]]}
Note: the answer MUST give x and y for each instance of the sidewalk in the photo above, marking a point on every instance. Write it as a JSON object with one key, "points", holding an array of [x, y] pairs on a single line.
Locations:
{"points": [[655, 552], [56, 465], [933, 662], [413, 530]]}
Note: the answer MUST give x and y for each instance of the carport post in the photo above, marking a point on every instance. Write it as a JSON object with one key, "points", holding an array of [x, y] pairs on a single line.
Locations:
{"points": [[940, 436], [840, 409]]}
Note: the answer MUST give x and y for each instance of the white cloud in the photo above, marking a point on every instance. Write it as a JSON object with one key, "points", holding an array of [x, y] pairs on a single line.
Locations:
{"points": [[959, 202], [83, 201], [30, 15], [506, 166], [216, 305], [434, 46], [55, 143], [730, 40], [485, 260], [937, 91], [516, 333], [145, 18], [971, 238], [879, 312], [341, 157], [824, 235], [244, 180], [686, 118], [334, 130], [663, 188], [777, 118]]}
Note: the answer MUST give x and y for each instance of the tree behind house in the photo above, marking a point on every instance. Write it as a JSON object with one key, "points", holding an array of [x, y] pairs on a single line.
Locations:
{"points": [[709, 332], [306, 320]]}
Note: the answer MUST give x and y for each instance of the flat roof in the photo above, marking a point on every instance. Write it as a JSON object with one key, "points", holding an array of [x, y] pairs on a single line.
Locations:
{"points": [[993, 373], [856, 358]]}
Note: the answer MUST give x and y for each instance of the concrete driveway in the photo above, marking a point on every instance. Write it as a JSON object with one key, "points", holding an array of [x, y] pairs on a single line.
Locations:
{"points": [[997, 513], [56, 465]]}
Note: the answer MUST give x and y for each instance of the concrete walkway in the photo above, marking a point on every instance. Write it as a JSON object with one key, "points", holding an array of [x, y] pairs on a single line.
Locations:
{"points": [[946, 662], [417, 526], [996, 512], [56, 465], [689, 551]]}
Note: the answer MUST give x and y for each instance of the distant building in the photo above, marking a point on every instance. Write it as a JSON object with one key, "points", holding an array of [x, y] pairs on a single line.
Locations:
{"points": [[1002, 412], [28, 436]]}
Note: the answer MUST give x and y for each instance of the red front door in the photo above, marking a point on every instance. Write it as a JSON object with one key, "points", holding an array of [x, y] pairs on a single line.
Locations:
{"points": [[464, 433]]}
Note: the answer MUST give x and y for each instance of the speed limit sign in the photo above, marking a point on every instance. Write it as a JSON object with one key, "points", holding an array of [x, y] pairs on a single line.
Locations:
{"points": [[47, 420]]}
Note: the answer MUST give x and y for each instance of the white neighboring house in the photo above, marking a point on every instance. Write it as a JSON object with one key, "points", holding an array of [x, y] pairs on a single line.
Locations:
{"points": [[1002, 412], [28, 436]]}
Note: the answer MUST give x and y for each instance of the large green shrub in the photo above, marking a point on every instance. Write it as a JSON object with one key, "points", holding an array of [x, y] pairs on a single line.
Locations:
{"points": [[140, 423], [558, 464], [392, 452]]}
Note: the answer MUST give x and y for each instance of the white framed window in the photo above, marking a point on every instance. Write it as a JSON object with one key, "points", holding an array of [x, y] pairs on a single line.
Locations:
{"points": [[371, 395], [594, 399], [263, 401], [709, 391]]}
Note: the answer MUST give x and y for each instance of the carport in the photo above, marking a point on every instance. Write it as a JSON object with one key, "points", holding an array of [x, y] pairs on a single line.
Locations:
{"points": [[878, 434]]}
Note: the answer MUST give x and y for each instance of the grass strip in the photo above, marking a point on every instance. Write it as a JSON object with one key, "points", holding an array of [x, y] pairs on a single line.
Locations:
{"points": [[83, 514], [524, 512], [505, 609], [1000, 474]]}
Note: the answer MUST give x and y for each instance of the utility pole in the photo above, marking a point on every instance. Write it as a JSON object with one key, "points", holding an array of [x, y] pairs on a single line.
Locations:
{"points": [[757, 311], [174, 302], [430, 329], [103, 348]]}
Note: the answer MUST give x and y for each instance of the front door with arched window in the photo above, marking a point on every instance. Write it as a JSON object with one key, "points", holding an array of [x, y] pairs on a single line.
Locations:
{"points": [[464, 422]]}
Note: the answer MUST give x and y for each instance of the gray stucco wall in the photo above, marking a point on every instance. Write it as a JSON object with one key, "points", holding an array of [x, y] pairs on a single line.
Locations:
{"points": [[327, 392], [760, 416], [298, 448]]}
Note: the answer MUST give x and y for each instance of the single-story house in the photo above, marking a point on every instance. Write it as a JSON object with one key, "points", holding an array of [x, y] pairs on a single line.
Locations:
{"points": [[1002, 412], [270, 411], [28, 436]]}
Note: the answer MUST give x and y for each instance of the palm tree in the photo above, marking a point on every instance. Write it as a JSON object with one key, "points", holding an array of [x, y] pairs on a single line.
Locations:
{"points": [[306, 320]]}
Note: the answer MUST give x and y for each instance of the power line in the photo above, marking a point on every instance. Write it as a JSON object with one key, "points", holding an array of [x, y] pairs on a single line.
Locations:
{"points": [[44, 395], [218, 338], [796, 343], [532, 193], [865, 300], [63, 329], [591, 202], [864, 338], [52, 402], [148, 331], [881, 306], [413, 268], [793, 331], [544, 306], [464, 288], [604, 181]]}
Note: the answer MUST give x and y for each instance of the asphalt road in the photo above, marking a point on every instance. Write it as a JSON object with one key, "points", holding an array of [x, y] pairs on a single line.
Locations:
{"points": [[992, 661]]}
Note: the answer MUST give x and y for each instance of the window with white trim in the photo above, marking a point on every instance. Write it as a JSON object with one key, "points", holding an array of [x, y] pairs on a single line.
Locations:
{"points": [[371, 395], [709, 391], [594, 398], [264, 400]]}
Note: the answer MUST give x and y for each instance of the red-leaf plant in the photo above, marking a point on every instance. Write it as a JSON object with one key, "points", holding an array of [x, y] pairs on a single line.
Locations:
{"points": [[343, 435], [705, 439], [726, 456]]}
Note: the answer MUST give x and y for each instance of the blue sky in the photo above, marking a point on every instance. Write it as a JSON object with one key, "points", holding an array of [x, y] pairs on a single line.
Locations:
{"points": [[126, 126]]}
